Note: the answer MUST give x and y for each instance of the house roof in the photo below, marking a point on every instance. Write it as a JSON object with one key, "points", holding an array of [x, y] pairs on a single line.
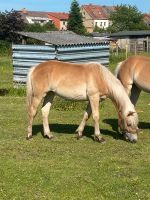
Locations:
{"points": [[98, 12], [61, 38], [34, 13], [59, 15], [131, 33], [97, 34]]}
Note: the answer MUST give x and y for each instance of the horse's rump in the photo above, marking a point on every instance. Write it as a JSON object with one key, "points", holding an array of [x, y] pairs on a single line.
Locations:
{"points": [[135, 70], [29, 86]]}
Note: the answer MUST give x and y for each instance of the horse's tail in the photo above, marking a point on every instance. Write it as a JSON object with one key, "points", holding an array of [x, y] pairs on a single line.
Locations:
{"points": [[30, 92], [118, 69]]}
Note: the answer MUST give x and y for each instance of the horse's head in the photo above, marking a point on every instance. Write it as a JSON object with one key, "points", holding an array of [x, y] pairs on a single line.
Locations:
{"points": [[129, 126]]}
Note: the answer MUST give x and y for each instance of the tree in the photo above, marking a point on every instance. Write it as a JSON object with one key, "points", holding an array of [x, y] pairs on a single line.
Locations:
{"points": [[10, 22], [99, 30], [75, 21], [36, 27], [127, 18]]}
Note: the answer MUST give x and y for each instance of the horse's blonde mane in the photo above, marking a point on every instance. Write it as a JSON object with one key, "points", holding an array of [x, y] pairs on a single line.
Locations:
{"points": [[118, 68], [117, 91]]}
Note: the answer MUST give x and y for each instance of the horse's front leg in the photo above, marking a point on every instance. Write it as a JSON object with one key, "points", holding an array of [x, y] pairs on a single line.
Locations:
{"points": [[86, 116], [94, 101]]}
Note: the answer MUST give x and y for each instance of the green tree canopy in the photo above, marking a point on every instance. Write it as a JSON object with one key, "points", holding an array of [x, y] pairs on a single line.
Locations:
{"points": [[75, 21], [36, 27], [10, 22], [98, 29], [127, 17]]}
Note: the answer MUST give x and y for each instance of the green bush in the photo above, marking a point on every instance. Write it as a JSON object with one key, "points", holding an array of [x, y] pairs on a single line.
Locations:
{"points": [[5, 48]]}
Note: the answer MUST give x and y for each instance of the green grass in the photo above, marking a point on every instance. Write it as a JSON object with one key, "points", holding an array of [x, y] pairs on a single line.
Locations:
{"points": [[65, 168]]}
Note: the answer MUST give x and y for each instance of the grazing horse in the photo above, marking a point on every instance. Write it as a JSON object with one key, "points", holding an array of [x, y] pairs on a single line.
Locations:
{"points": [[90, 81], [134, 74]]}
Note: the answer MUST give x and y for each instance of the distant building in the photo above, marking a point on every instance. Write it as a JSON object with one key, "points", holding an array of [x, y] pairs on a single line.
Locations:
{"points": [[134, 41], [96, 15], [32, 17], [147, 19], [60, 19]]}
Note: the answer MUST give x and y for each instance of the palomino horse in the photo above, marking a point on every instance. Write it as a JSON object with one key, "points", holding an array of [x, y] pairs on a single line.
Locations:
{"points": [[90, 81], [134, 74]]}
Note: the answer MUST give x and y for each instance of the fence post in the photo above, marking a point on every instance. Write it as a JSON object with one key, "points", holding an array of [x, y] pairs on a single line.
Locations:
{"points": [[135, 49], [126, 49], [147, 44]]}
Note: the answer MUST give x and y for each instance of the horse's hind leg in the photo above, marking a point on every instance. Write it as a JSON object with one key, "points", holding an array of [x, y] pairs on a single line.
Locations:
{"points": [[135, 93], [45, 112], [86, 116], [32, 110]]}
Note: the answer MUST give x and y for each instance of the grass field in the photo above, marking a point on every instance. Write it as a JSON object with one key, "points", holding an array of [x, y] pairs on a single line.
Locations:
{"points": [[65, 168]]}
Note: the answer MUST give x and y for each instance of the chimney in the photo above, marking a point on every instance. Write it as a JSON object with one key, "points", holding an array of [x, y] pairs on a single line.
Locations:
{"points": [[24, 10]]}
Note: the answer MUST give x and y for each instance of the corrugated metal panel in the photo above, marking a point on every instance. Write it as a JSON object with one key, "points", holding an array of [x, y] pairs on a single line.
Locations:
{"points": [[26, 56], [98, 53]]}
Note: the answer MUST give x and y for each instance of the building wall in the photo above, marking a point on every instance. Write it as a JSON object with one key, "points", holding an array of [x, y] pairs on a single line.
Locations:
{"points": [[63, 25], [88, 22], [140, 44], [102, 23], [40, 20]]}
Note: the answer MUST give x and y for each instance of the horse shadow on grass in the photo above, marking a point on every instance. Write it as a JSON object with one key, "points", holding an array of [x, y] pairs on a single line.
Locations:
{"points": [[71, 128], [3, 92], [114, 124]]}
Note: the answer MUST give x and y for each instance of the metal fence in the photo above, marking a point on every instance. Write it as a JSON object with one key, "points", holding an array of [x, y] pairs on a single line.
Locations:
{"points": [[26, 56]]}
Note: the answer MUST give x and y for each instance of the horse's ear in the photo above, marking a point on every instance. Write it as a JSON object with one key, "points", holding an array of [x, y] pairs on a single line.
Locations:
{"points": [[130, 113]]}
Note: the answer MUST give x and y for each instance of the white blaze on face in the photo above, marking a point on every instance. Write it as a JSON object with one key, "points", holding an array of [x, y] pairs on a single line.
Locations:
{"points": [[131, 137]]}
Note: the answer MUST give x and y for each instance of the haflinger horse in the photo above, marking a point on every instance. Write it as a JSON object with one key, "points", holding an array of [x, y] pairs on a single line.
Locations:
{"points": [[89, 81], [134, 74]]}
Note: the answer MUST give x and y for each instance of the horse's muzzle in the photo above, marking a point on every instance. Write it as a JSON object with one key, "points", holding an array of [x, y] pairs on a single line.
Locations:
{"points": [[131, 137]]}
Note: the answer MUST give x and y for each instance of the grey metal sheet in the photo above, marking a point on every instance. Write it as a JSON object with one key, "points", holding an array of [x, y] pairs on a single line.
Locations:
{"points": [[33, 47]]}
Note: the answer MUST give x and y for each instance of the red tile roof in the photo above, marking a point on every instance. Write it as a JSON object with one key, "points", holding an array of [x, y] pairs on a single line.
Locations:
{"points": [[99, 12], [59, 15]]}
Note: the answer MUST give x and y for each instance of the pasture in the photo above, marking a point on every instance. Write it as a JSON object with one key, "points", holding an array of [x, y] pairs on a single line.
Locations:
{"points": [[66, 168]]}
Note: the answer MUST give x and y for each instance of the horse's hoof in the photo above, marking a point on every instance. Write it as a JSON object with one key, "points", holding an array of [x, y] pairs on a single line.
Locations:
{"points": [[79, 137], [49, 137], [100, 139], [29, 137]]}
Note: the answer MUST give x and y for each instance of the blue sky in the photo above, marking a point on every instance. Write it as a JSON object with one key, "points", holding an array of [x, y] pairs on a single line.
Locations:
{"points": [[64, 5]]}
